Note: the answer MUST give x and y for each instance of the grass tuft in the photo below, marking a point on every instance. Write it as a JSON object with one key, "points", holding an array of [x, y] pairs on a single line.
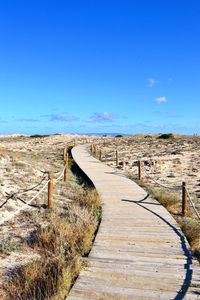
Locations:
{"points": [[191, 229], [166, 199]]}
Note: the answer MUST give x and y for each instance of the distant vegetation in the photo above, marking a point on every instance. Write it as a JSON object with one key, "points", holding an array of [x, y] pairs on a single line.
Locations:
{"points": [[119, 136], [166, 136], [39, 135]]}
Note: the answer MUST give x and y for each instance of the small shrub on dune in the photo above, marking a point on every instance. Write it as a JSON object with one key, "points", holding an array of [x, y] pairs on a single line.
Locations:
{"points": [[119, 136], [166, 136]]}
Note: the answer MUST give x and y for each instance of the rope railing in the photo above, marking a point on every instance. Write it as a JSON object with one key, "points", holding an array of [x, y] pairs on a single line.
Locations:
{"points": [[160, 184], [61, 175], [21, 192], [192, 204], [185, 193], [27, 204], [38, 193]]}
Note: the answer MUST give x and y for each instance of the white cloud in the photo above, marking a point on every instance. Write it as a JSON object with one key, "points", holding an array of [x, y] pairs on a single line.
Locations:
{"points": [[151, 82], [99, 117], [63, 118], [160, 100]]}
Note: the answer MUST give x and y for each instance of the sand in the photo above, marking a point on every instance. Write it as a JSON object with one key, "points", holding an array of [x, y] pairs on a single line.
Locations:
{"points": [[169, 162], [25, 161]]}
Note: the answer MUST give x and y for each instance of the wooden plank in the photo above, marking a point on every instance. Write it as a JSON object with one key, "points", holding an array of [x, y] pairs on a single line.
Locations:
{"points": [[139, 251]]}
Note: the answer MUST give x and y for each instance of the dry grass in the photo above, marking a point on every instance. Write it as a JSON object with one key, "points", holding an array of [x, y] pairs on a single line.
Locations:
{"points": [[34, 281], [57, 239], [61, 243], [168, 200], [91, 200], [191, 229]]}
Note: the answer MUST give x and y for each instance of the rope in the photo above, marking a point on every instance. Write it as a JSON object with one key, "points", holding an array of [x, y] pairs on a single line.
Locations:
{"points": [[176, 188], [61, 175], [192, 203], [21, 192], [26, 204], [172, 188], [160, 184], [40, 191]]}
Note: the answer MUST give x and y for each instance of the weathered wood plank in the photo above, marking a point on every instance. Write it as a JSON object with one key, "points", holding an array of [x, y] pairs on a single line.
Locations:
{"points": [[140, 251]]}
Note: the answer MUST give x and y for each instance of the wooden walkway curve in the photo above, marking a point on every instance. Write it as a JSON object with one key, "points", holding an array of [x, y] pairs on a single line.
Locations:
{"points": [[139, 251]]}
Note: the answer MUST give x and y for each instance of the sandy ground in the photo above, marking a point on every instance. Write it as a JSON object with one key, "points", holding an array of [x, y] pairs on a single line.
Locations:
{"points": [[169, 162], [25, 161]]}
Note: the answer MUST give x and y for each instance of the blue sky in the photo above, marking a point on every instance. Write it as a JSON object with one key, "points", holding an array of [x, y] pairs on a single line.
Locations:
{"points": [[99, 66]]}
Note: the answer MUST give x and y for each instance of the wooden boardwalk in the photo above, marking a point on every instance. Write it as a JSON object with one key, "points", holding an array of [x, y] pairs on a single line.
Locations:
{"points": [[139, 251]]}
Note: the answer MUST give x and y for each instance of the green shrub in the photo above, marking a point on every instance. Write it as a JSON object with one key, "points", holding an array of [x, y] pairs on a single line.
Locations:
{"points": [[38, 136], [119, 136], [166, 136]]}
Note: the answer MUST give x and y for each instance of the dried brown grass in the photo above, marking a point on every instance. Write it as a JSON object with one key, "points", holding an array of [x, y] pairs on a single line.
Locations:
{"points": [[191, 229], [61, 243], [169, 200]]}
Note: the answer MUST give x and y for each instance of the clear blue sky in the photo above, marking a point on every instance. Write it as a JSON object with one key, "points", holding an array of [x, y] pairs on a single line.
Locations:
{"points": [[125, 66]]}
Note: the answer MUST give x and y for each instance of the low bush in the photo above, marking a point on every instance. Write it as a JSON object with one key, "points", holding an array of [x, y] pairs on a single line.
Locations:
{"points": [[119, 136], [39, 136], [166, 136]]}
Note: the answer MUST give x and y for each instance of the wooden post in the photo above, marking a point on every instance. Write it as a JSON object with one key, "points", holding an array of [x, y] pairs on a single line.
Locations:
{"points": [[92, 148], [139, 169], [184, 199], [95, 150], [50, 192], [117, 161], [100, 155], [66, 167], [64, 153]]}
